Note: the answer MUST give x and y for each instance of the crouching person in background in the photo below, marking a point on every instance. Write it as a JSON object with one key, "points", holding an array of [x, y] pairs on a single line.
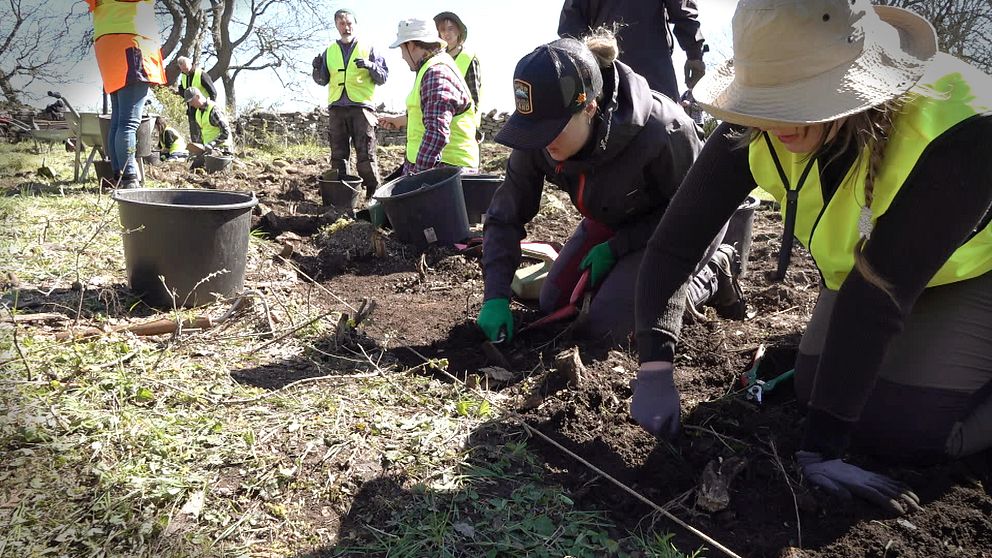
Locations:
{"points": [[171, 143], [214, 129]]}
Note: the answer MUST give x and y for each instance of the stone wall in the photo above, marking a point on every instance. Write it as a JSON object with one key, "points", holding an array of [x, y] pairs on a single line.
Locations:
{"points": [[266, 128]]}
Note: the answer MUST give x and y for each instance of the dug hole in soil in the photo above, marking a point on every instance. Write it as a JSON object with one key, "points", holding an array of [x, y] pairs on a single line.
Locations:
{"points": [[428, 302]]}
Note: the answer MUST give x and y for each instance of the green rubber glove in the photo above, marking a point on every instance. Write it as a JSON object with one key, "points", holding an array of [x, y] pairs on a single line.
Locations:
{"points": [[494, 317], [601, 260]]}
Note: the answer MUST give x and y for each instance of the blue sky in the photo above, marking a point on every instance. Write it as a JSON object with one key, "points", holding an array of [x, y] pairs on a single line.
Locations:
{"points": [[500, 36]]}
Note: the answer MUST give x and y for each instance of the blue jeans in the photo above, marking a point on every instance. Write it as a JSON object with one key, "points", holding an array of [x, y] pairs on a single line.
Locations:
{"points": [[125, 117]]}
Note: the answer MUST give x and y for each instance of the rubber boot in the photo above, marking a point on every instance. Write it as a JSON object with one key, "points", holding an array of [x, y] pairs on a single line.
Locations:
{"points": [[729, 298], [340, 165], [370, 177], [129, 181], [716, 285]]}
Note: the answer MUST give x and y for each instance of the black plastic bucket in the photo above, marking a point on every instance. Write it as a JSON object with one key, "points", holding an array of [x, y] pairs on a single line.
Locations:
{"points": [[426, 207], [341, 192], [184, 236], [103, 170], [478, 190], [143, 136], [739, 229]]}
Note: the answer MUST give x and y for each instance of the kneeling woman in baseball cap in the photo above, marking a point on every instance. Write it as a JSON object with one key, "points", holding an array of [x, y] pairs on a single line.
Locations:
{"points": [[592, 127]]}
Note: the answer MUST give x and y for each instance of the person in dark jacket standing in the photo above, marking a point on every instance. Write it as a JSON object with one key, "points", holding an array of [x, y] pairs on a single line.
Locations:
{"points": [[591, 126], [191, 76], [645, 40], [875, 145], [351, 69]]}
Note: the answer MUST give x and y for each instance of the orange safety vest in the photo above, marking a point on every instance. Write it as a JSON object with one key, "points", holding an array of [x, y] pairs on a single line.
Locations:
{"points": [[119, 27]]}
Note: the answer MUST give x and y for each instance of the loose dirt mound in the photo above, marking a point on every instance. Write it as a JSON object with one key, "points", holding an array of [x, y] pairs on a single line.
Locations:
{"points": [[427, 306]]}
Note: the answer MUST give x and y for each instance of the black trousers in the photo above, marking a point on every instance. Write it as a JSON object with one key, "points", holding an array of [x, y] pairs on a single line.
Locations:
{"points": [[354, 126]]}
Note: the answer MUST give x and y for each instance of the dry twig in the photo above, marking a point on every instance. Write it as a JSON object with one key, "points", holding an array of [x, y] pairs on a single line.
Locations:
{"points": [[795, 502]]}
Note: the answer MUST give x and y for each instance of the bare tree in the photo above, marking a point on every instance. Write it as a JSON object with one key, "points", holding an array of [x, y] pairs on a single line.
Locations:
{"points": [[229, 37], [32, 45], [964, 27]]}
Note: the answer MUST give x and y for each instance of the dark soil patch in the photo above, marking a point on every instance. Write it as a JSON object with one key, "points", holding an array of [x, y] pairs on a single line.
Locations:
{"points": [[427, 305]]}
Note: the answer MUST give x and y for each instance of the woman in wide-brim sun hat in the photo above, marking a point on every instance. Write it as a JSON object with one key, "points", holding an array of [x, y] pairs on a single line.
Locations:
{"points": [[876, 146]]}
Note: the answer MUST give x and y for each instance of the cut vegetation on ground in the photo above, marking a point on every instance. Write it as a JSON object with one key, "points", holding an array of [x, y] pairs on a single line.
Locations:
{"points": [[294, 425]]}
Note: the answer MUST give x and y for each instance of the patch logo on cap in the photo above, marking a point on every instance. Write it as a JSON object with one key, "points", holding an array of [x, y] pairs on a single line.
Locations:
{"points": [[522, 96]]}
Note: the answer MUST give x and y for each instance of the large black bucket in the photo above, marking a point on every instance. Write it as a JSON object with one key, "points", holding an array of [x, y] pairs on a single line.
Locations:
{"points": [[185, 236], [339, 190], [426, 207], [143, 136], [479, 190], [739, 229]]}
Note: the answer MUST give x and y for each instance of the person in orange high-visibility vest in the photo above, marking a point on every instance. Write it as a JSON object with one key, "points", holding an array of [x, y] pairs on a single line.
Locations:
{"points": [[128, 52]]}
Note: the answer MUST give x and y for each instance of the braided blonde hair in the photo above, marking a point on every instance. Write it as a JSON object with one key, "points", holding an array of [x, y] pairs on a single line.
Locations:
{"points": [[873, 131]]}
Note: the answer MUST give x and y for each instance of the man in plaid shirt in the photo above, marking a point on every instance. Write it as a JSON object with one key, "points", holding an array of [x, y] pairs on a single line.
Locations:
{"points": [[440, 119]]}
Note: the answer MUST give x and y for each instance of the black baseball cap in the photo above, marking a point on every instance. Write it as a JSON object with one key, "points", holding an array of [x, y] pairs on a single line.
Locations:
{"points": [[550, 85]]}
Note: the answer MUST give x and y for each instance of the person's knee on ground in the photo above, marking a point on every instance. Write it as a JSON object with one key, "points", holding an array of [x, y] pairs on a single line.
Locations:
{"points": [[611, 309]]}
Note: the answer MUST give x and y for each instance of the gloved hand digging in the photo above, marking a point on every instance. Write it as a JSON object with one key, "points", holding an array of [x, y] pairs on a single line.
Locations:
{"points": [[601, 259], [655, 403], [843, 479], [495, 317]]}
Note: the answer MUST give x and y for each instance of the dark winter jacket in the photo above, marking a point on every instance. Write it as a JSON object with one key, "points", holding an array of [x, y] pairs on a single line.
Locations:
{"points": [[644, 37], [641, 148]]}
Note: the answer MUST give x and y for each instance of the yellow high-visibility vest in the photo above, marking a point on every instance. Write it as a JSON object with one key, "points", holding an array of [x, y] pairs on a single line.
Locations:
{"points": [[949, 94], [462, 149], [132, 18], [356, 81]]}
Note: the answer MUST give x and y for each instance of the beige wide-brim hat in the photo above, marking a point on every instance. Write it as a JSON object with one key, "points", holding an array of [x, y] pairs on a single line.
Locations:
{"points": [[799, 62], [417, 30]]}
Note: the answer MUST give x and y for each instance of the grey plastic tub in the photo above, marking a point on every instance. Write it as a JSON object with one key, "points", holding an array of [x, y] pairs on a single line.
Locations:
{"points": [[739, 229], [341, 192]]}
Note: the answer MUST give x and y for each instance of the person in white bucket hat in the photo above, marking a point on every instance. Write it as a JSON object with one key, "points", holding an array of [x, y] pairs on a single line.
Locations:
{"points": [[876, 146], [440, 115]]}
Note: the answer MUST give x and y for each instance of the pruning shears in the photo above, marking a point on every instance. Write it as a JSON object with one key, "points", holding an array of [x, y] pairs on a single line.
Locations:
{"points": [[761, 387], [757, 388]]}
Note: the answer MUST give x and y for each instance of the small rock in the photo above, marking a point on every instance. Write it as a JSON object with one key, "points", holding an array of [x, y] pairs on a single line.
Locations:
{"points": [[261, 209], [713, 494], [569, 364], [498, 374]]}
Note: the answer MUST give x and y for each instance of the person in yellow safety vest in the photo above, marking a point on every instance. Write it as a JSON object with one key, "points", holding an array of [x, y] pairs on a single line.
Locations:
{"points": [[171, 144], [876, 146], [451, 28], [128, 52], [351, 69], [440, 114], [191, 76], [215, 131]]}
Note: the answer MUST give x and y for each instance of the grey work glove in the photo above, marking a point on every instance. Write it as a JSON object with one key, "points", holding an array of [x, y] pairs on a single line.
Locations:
{"points": [[361, 63], [655, 403], [843, 479], [694, 70]]}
